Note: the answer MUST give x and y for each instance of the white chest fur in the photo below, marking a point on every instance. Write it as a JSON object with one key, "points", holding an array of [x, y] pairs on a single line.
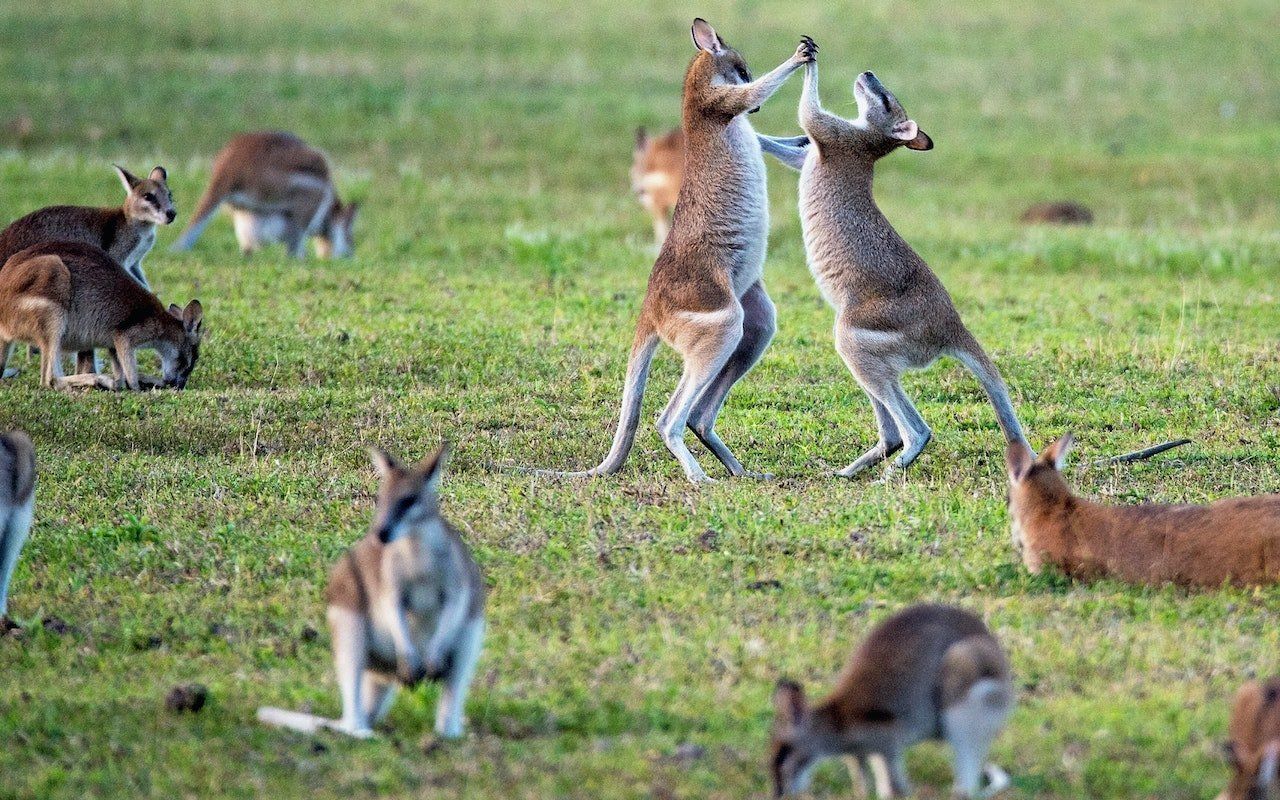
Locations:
{"points": [[750, 205]]}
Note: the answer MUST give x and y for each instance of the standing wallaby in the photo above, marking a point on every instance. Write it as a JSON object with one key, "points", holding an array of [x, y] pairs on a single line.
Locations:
{"points": [[1254, 744], [128, 233], [406, 603], [17, 505], [1230, 541], [892, 312], [70, 295], [657, 167], [706, 297], [280, 190], [927, 672]]}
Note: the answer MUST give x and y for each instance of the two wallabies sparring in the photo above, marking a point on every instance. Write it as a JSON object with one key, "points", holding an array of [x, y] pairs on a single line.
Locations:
{"points": [[406, 603], [72, 296], [279, 190], [892, 312], [927, 672], [17, 506], [1253, 748], [706, 296], [1231, 541]]}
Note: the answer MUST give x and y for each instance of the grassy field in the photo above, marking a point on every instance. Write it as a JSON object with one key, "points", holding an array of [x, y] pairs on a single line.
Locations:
{"points": [[637, 624]]}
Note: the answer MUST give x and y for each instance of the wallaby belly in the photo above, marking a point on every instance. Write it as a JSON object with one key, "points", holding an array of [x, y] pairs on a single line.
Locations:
{"points": [[742, 225]]}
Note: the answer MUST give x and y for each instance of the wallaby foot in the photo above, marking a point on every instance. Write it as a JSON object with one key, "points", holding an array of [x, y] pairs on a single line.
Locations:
{"points": [[875, 455], [911, 450], [997, 781], [11, 372]]}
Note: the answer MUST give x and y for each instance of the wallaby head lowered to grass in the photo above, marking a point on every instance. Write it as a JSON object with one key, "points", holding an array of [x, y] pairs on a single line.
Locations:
{"points": [[892, 312], [1233, 541], [1253, 748], [406, 603], [17, 506], [706, 296], [657, 166], [73, 296], [927, 672], [279, 189]]}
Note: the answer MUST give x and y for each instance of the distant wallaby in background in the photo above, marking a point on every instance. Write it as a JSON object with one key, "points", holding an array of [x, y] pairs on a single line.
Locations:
{"points": [[279, 190], [927, 672], [1254, 744], [128, 233], [70, 295], [892, 312], [1230, 541], [406, 603], [657, 168], [706, 297], [17, 506]]}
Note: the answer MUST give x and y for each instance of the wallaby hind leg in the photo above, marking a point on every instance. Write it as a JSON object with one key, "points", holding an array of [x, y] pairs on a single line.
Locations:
{"points": [[86, 362], [6, 350], [457, 681], [970, 726], [889, 443], [879, 377], [13, 534], [706, 340], [759, 323], [348, 629], [377, 693]]}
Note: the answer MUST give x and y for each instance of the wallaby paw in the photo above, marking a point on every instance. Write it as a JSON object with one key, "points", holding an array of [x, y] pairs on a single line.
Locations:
{"points": [[11, 372]]}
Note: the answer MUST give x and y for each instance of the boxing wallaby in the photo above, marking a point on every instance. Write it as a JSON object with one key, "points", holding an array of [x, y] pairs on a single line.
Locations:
{"points": [[72, 295], [706, 297], [1253, 748], [927, 672], [892, 312], [280, 190], [406, 603], [17, 506], [1230, 541]]}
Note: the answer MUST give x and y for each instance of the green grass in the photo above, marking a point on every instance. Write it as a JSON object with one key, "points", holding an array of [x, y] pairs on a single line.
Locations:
{"points": [[499, 267]]}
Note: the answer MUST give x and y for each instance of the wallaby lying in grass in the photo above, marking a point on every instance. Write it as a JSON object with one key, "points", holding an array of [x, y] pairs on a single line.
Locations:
{"points": [[280, 190], [1254, 744], [927, 672], [128, 233], [70, 295], [1231, 541], [892, 312], [657, 166], [17, 506], [706, 297], [406, 603]]}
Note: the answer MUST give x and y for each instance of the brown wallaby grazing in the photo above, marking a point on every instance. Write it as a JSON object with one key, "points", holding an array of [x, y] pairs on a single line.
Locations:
{"points": [[1063, 212], [280, 190], [706, 297], [892, 312], [1230, 541], [1253, 748], [927, 672], [71, 295], [657, 167], [17, 506], [406, 603]]}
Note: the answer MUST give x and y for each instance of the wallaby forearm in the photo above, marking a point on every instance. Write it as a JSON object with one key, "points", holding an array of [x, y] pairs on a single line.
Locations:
{"points": [[453, 615], [790, 151], [735, 100], [817, 123]]}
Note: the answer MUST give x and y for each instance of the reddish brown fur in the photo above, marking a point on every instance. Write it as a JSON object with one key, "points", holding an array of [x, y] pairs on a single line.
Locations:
{"points": [[1233, 541], [657, 171], [1059, 213], [1254, 734]]}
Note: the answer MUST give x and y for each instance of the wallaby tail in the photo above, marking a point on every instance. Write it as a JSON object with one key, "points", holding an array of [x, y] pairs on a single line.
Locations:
{"points": [[213, 196], [642, 350], [296, 720], [976, 361]]}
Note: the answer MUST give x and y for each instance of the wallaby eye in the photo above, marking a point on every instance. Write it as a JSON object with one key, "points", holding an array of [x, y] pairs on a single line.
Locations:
{"points": [[149, 197], [742, 73]]}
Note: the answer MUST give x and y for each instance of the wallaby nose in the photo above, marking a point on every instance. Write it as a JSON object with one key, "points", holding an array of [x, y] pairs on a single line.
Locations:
{"points": [[171, 215]]}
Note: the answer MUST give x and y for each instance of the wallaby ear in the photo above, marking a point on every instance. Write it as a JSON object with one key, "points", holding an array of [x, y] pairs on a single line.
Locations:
{"points": [[176, 311], [193, 316], [127, 178], [705, 37], [386, 464], [159, 175], [921, 142], [432, 467], [789, 703], [1056, 453], [1019, 458], [642, 137]]}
